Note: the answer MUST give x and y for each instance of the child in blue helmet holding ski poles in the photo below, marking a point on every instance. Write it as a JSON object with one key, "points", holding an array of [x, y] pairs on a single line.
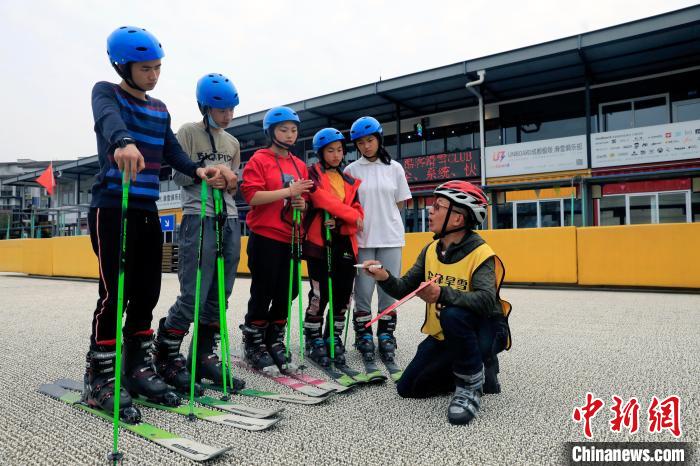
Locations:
{"points": [[207, 144], [330, 258], [382, 194], [274, 184], [133, 138]]}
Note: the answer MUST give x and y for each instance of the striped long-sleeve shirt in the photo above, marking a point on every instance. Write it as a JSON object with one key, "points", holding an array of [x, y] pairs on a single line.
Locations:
{"points": [[117, 115]]}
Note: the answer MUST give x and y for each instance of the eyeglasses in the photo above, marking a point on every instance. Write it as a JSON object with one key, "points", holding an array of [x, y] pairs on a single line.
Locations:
{"points": [[437, 207]]}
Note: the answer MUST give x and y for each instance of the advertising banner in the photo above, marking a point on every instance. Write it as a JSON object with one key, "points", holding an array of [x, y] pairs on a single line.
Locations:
{"points": [[549, 155]]}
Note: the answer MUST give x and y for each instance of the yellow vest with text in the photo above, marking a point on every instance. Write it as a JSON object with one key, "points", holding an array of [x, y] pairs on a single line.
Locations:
{"points": [[459, 277]]}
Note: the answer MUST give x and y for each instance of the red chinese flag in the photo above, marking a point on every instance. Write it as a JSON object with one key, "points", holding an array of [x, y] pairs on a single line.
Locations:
{"points": [[47, 180]]}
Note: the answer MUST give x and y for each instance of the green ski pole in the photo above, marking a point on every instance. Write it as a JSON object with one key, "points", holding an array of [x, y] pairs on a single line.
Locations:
{"points": [[226, 373], [197, 297], [331, 320], [301, 309], [289, 288], [115, 456]]}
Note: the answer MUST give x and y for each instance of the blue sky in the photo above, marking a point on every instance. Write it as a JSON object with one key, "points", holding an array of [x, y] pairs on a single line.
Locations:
{"points": [[275, 52]]}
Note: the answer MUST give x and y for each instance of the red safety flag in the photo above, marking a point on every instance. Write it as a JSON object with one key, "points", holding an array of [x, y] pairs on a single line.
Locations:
{"points": [[47, 180]]}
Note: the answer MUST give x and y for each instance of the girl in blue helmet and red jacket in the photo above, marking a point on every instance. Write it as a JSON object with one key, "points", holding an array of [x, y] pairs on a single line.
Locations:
{"points": [[207, 143], [274, 183], [335, 194], [134, 138], [382, 193]]}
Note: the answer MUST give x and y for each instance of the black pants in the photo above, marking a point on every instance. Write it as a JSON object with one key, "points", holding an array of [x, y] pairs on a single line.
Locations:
{"points": [[141, 274], [268, 261], [343, 277], [470, 340]]}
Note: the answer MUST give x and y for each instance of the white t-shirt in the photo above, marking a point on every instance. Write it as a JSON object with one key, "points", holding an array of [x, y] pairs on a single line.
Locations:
{"points": [[382, 187]]}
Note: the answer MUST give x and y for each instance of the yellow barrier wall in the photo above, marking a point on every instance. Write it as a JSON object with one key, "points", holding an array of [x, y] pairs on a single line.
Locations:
{"points": [[73, 257], [636, 255], [11, 252], [536, 255], [640, 255]]}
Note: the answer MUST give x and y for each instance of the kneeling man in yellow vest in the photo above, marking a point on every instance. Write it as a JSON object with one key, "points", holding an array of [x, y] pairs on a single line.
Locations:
{"points": [[465, 319]]}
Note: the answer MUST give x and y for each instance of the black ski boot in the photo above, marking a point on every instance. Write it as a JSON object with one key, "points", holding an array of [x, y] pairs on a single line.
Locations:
{"points": [[256, 354], [338, 347], [315, 347], [491, 370], [140, 376], [208, 362], [274, 338], [363, 336], [98, 382], [170, 363], [387, 346], [465, 403]]}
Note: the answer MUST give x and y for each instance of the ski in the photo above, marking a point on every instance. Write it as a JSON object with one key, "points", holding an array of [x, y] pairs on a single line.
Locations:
{"points": [[395, 372], [287, 381], [285, 398], [357, 376], [210, 415], [339, 377], [236, 408], [372, 372], [329, 385], [188, 448]]}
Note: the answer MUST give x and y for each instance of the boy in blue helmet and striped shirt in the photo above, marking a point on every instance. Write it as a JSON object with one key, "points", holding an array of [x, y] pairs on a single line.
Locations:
{"points": [[133, 138], [206, 142]]}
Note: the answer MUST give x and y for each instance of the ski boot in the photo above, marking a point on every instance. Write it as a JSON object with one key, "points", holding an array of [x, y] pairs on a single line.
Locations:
{"points": [[208, 363], [98, 382], [491, 370], [274, 338], [170, 363], [466, 400], [140, 376], [315, 347], [256, 354], [338, 346]]}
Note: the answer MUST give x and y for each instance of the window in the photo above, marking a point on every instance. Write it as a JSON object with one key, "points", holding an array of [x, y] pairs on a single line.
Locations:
{"points": [[411, 145], [673, 207], [526, 215], [686, 110], [695, 199], [646, 208], [642, 208], [459, 138], [541, 213], [435, 140], [635, 113], [612, 211], [504, 216]]}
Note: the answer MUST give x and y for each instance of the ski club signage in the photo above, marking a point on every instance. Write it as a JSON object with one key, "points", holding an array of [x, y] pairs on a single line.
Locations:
{"points": [[445, 166], [670, 142], [549, 155], [169, 200]]}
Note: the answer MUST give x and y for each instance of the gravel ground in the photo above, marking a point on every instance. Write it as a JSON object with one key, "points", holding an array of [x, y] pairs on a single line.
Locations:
{"points": [[566, 343]]}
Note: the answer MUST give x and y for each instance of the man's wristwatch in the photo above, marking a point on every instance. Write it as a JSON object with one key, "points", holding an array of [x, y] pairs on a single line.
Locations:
{"points": [[123, 142]]}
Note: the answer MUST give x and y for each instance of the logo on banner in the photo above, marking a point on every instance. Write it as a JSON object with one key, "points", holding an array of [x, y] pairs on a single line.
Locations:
{"points": [[499, 155]]}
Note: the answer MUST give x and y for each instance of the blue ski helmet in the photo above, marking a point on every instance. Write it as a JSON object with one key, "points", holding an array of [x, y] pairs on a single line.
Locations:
{"points": [[214, 90], [325, 137], [365, 126], [278, 115], [132, 44]]}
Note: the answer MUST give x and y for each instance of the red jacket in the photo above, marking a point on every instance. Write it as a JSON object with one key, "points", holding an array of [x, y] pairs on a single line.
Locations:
{"points": [[264, 172], [346, 212]]}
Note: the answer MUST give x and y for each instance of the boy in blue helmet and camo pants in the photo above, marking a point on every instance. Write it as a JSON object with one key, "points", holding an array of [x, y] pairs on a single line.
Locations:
{"points": [[207, 143]]}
